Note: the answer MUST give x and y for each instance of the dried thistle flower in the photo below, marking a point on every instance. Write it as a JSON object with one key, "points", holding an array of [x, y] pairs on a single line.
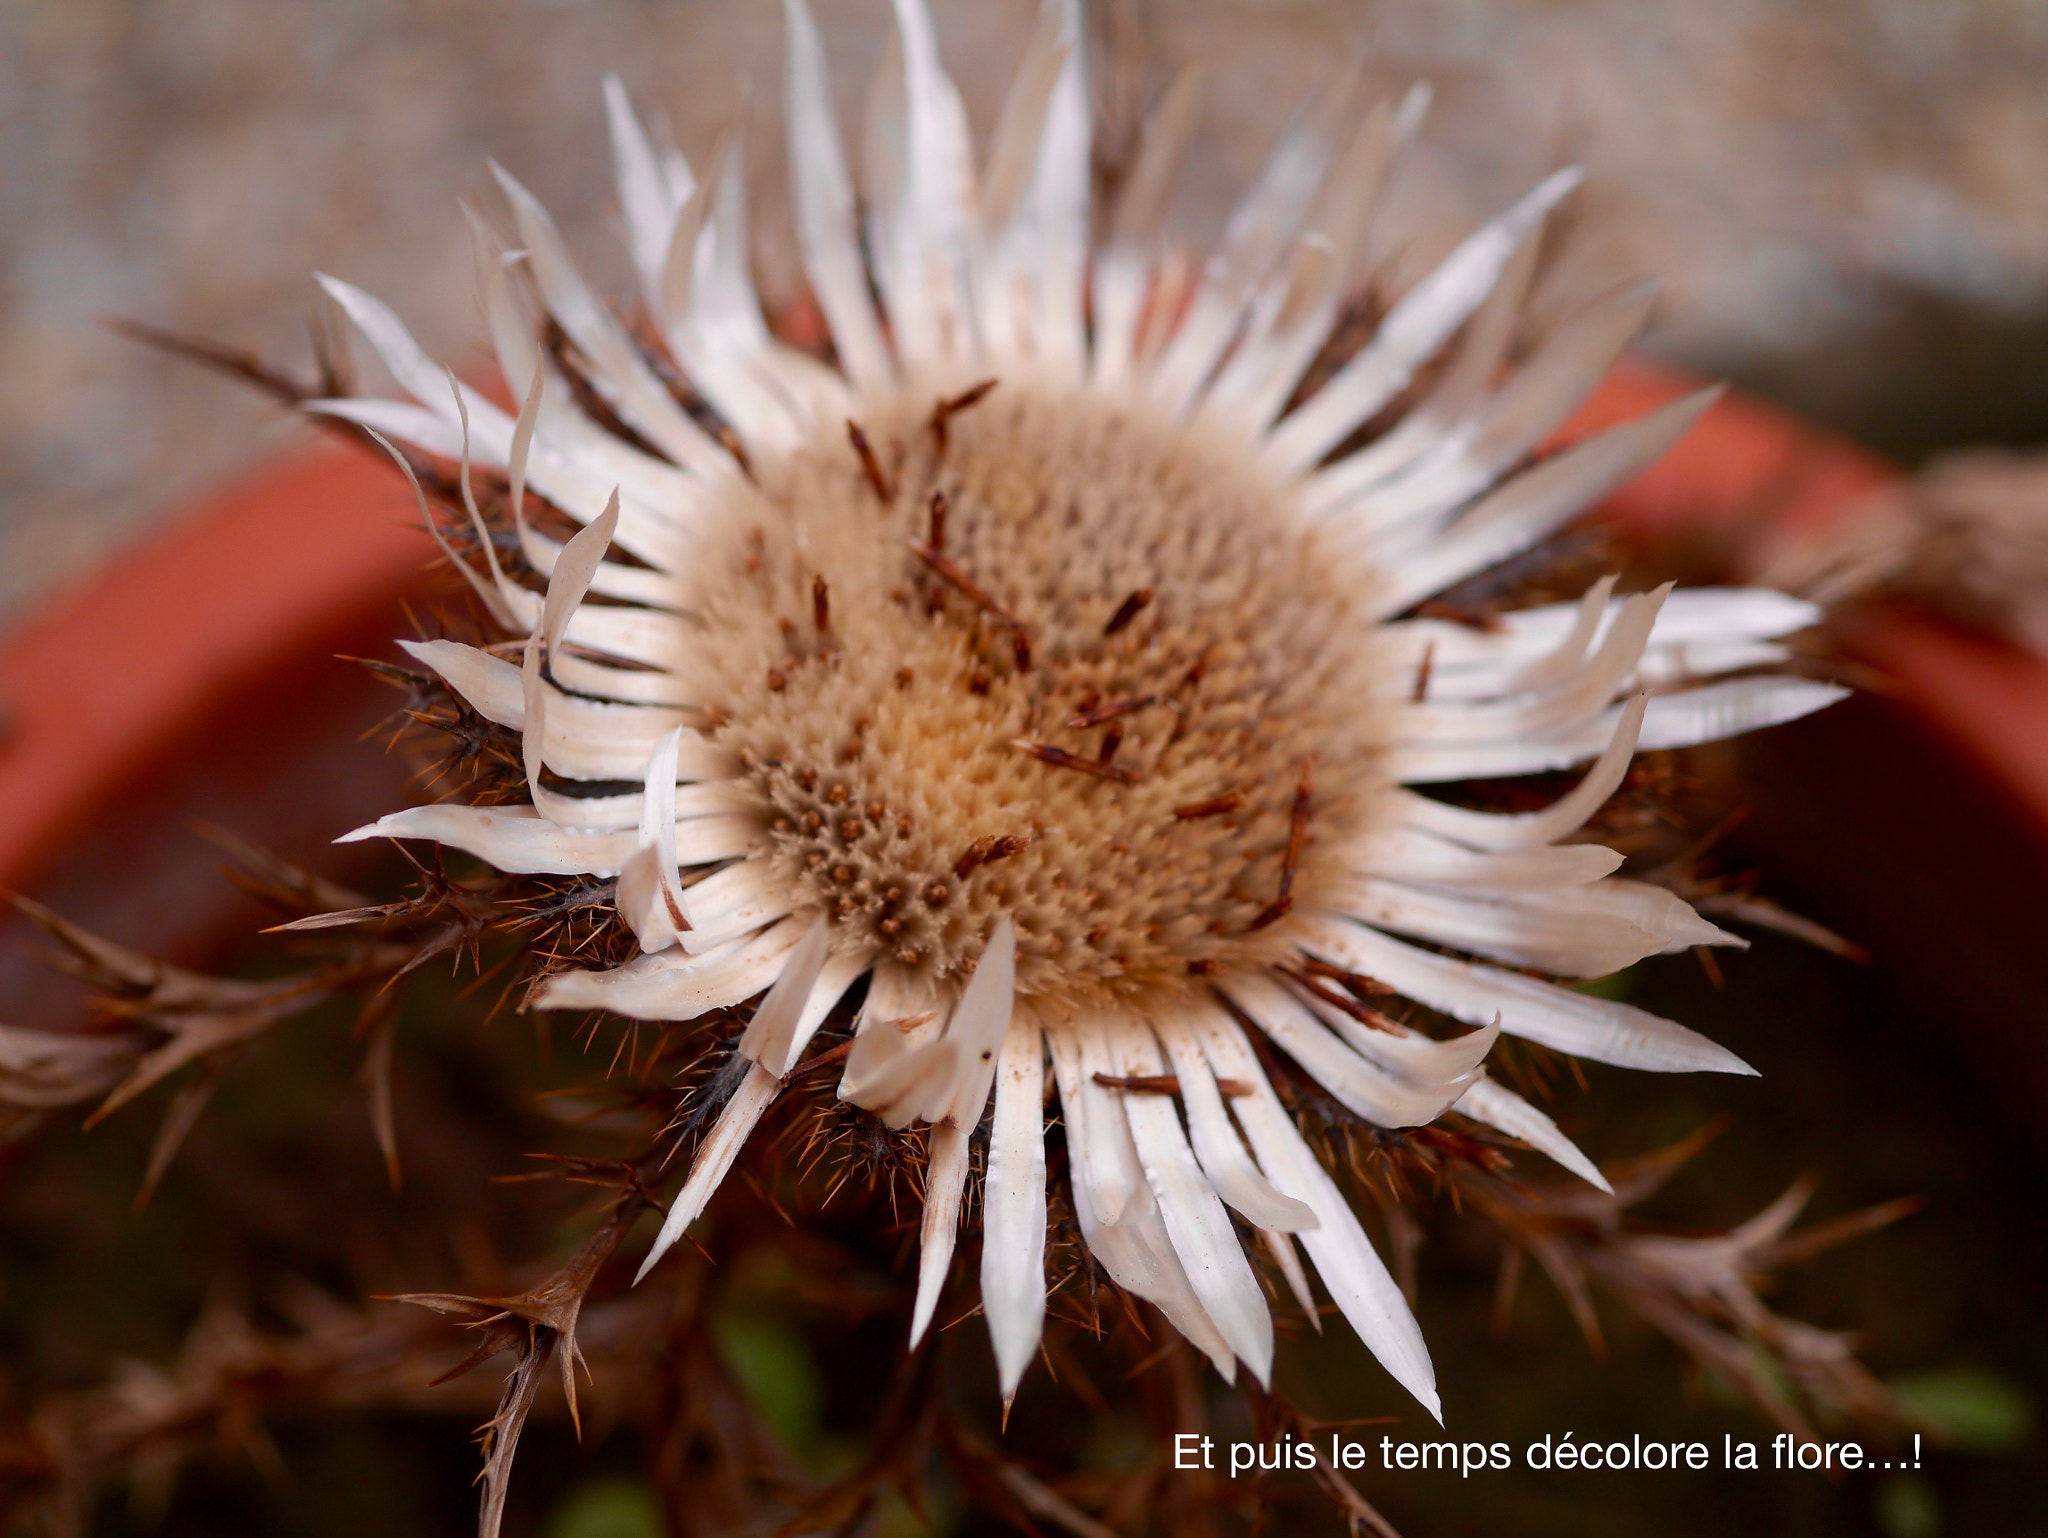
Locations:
{"points": [[1053, 664]]}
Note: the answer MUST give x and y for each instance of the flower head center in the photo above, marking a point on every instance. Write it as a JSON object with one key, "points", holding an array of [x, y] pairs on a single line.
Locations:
{"points": [[1042, 653]]}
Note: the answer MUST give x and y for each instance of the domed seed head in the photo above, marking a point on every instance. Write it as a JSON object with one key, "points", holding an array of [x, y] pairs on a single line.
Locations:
{"points": [[1094, 712]]}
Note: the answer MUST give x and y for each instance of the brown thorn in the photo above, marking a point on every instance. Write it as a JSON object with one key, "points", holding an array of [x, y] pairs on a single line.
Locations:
{"points": [[1421, 690], [954, 577], [730, 442], [1111, 741], [1020, 636], [1060, 758], [1164, 1084], [1215, 806], [1364, 1014], [1471, 619], [1128, 610], [986, 850], [1357, 982], [1272, 913], [818, 1062], [870, 466], [937, 538], [246, 366], [948, 408], [676, 915], [1297, 837], [821, 605], [1096, 714]]}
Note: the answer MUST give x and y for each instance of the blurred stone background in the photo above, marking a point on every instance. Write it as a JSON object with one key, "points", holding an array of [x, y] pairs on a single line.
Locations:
{"points": [[1846, 200]]}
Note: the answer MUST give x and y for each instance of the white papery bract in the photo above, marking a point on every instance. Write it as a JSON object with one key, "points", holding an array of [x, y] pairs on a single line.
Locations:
{"points": [[1069, 722]]}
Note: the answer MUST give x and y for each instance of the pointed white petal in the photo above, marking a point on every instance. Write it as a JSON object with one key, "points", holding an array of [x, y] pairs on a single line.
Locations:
{"points": [[1577, 1023], [618, 370], [1135, 1251], [1055, 208], [1533, 830], [823, 198], [653, 536], [903, 1000], [1562, 661], [1440, 421], [1706, 714], [1109, 1176], [1428, 729], [1385, 1099], [643, 188], [1503, 431], [918, 212], [1034, 203], [980, 1021], [1539, 501], [1583, 931], [1013, 1229], [1415, 857], [1281, 1247], [771, 1033], [945, 1179], [841, 971], [1262, 226], [1217, 1145], [713, 1160], [1195, 1221], [648, 897], [1690, 617], [1418, 324], [1502, 1108], [1351, 1269], [1124, 262], [518, 840], [589, 739], [899, 1082], [566, 587], [712, 321], [1730, 709], [1293, 320], [417, 374], [731, 902], [674, 985], [1724, 613], [1406, 1055]]}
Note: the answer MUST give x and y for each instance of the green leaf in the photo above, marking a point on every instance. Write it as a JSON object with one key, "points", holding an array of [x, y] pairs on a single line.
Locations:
{"points": [[1907, 1507], [774, 1366], [607, 1508], [1973, 1408], [1617, 986]]}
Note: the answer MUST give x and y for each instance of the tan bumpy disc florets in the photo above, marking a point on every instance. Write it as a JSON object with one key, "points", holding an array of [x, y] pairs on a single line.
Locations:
{"points": [[1042, 656]]}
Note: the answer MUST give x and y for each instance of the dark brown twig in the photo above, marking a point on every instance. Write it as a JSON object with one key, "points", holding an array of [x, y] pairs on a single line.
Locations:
{"points": [[1060, 758]]}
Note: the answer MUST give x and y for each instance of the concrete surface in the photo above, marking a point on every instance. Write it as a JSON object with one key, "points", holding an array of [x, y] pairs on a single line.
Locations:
{"points": [[1847, 200]]}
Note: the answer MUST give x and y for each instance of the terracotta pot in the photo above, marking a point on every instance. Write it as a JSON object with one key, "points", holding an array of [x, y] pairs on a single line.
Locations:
{"points": [[1744, 462], [196, 678]]}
